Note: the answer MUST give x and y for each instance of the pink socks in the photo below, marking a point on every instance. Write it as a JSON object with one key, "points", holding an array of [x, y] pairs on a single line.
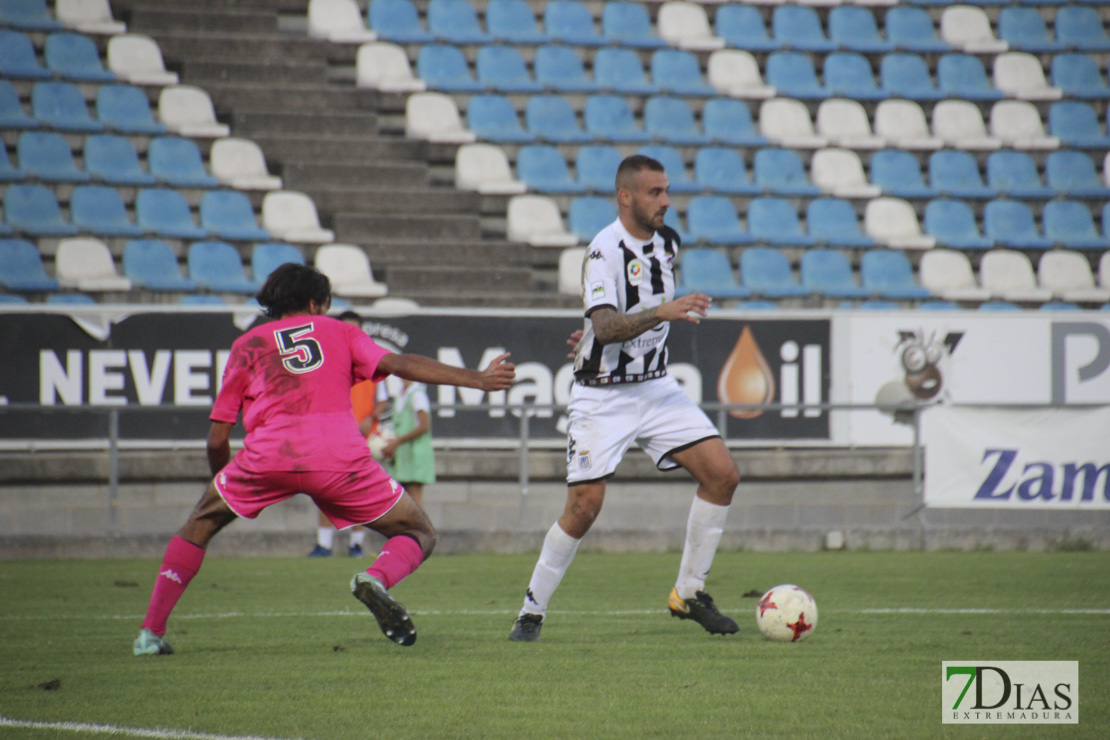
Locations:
{"points": [[180, 564], [400, 556]]}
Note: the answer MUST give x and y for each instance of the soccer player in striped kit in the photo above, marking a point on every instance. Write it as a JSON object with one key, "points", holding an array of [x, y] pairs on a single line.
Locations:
{"points": [[622, 393]]}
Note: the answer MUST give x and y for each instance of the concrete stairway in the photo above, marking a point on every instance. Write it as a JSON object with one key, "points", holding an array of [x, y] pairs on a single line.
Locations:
{"points": [[371, 185]]}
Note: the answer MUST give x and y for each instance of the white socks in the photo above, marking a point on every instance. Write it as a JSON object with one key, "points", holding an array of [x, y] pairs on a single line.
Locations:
{"points": [[556, 556], [703, 533], [325, 537]]}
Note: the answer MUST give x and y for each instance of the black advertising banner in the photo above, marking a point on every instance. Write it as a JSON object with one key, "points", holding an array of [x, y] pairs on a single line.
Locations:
{"points": [[149, 362]]}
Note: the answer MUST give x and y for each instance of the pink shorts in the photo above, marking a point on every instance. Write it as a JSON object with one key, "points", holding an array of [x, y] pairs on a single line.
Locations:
{"points": [[357, 496]]}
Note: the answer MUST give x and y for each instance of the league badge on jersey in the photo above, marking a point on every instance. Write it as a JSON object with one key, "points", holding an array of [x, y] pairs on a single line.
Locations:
{"points": [[597, 290], [584, 460], [635, 272]]}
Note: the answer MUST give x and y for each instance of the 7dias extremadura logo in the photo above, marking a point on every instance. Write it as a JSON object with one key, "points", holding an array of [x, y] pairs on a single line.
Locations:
{"points": [[1010, 692]]}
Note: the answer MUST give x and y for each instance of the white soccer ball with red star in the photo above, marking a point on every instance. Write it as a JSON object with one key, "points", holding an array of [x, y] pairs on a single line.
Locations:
{"points": [[786, 613]]}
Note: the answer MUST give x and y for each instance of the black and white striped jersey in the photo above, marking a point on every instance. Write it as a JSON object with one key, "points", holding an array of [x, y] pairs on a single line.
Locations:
{"points": [[629, 275]]}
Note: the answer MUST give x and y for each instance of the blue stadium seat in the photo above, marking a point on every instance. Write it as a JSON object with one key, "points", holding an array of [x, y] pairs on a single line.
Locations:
{"points": [[741, 26], [268, 256], [793, 76], [28, 15], [832, 222], [609, 118], [848, 74], [11, 299], [728, 121], [126, 109], [21, 267], [177, 161], [798, 27], [911, 29], [99, 210], [1010, 223], [709, 271], [1069, 224], [513, 21], [964, 76], [898, 173], [113, 159], [70, 299], [152, 265], [596, 166], [952, 223], [766, 272], [1078, 76], [827, 272], [1024, 29], [543, 168], [628, 24], [570, 21], [47, 156], [956, 175], [12, 115], [1073, 173], [674, 166], [229, 215], [780, 171], [444, 67], [875, 304], [1080, 29], [999, 306], [677, 71], [61, 106], [722, 170], [560, 68], [712, 219], [456, 22], [18, 59], [216, 266], [397, 21], [1076, 124], [853, 27], [670, 218], [33, 209], [8, 172], [1059, 306], [586, 216], [672, 120], [938, 306], [774, 221], [757, 305], [502, 68], [551, 118], [165, 213], [907, 76], [887, 273], [620, 70], [73, 56], [492, 117], [1014, 174]]}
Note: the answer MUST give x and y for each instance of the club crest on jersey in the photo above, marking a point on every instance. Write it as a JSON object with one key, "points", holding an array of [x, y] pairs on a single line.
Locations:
{"points": [[635, 272], [584, 460]]}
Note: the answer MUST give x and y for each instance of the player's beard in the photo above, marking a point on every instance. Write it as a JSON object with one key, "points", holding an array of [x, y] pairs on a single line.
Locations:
{"points": [[650, 221]]}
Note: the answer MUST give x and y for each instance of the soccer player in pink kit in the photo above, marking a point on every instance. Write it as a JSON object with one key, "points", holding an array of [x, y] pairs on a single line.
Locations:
{"points": [[291, 378]]}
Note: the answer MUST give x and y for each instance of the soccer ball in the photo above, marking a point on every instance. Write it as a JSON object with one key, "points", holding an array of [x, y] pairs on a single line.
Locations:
{"points": [[377, 442], [786, 613]]}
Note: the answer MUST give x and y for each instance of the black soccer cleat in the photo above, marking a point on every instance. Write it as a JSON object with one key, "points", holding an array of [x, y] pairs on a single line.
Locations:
{"points": [[391, 615], [702, 610], [526, 628]]}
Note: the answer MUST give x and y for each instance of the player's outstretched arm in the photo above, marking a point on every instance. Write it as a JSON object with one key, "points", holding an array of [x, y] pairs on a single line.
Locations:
{"points": [[611, 327], [497, 376]]}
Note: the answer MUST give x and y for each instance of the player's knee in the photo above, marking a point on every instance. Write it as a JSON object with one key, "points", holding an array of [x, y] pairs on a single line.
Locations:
{"points": [[428, 541]]}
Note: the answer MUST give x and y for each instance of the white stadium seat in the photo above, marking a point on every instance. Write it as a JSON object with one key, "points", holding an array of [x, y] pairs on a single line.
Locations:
{"points": [[241, 164], [1008, 275], [188, 110], [786, 121], [485, 168], [138, 59], [535, 220], [291, 216], [948, 274], [570, 270], [960, 124], [1017, 123], [840, 173], [893, 222], [1020, 75], [735, 72], [686, 25], [435, 117], [902, 123], [86, 264], [348, 269], [384, 66], [1068, 275], [968, 28], [844, 123], [88, 16], [338, 21]]}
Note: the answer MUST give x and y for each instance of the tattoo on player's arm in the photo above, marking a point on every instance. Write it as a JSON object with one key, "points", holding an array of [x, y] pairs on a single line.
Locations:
{"points": [[611, 327]]}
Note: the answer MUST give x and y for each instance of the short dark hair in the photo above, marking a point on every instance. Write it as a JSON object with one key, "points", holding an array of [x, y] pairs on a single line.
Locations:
{"points": [[290, 287], [635, 163], [349, 315]]}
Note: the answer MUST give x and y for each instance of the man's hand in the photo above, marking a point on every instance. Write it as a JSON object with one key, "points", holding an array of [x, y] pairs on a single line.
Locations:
{"points": [[572, 342], [498, 375], [692, 308]]}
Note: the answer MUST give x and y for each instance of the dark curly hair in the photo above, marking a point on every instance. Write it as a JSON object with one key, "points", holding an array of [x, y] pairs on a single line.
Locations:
{"points": [[290, 287]]}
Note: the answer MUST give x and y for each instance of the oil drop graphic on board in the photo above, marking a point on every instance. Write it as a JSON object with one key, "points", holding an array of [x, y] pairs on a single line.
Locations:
{"points": [[746, 377]]}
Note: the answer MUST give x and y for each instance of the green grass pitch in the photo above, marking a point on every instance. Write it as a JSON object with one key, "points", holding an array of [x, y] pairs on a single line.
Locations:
{"points": [[278, 648]]}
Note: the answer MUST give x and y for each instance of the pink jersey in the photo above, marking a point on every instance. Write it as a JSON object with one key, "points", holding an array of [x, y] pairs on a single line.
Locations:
{"points": [[292, 380]]}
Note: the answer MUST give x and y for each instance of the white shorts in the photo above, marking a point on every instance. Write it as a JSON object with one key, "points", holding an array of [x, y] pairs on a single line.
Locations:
{"points": [[605, 420]]}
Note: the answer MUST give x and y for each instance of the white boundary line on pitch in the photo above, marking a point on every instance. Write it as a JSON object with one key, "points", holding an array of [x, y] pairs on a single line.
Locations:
{"points": [[123, 731], [562, 612]]}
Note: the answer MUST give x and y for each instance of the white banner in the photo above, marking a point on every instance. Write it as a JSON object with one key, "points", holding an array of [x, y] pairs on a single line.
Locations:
{"points": [[1017, 459], [964, 358]]}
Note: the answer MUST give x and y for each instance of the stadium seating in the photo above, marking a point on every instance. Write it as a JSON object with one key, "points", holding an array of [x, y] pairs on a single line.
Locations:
{"points": [[240, 163], [32, 209], [678, 72], [8, 172], [338, 21], [589, 215], [87, 265], [628, 24], [947, 273], [609, 118], [492, 117], [827, 272], [911, 29], [833, 223], [99, 210], [892, 221], [712, 219], [434, 116], [969, 28], [126, 110], [596, 166], [177, 161], [384, 66], [766, 272], [960, 124], [686, 25], [727, 121], [907, 76], [798, 27], [902, 123], [1069, 224], [535, 220], [1017, 124], [952, 224], [570, 22], [1078, 76], [964, 76], [46, 155], [216, 266], [1020, 75], [956, 175], [848, 74], [28, 15], [514, 22], [840, 172], [228, 214], [1024, 29], [502, 68], [560, 68], [138, 60], [74, 57], [543, 168], [1009, 276], [1081, 29], [1015, 174], [113, 159], [291, 216], [485, 168], [782, 172], [774, 221], [793, 76], [61, 106], [897, 173], [188, 110], [268, 256], [21, 268], [88, 16], [18, 59], [165, 213], [741, 27], [853, 27], [708, 271], [736, 72], [722, 170], [443, 67], [12, 115], [887, 273], [675, 167], [786, 122], [1075, 124], [621, 71], [844, 123], [397, 21], [551, 118], [1010, 223], [671, 120], [456, 22], [1068, 275], [152, 265], [1073, 173], [570, 270]]}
